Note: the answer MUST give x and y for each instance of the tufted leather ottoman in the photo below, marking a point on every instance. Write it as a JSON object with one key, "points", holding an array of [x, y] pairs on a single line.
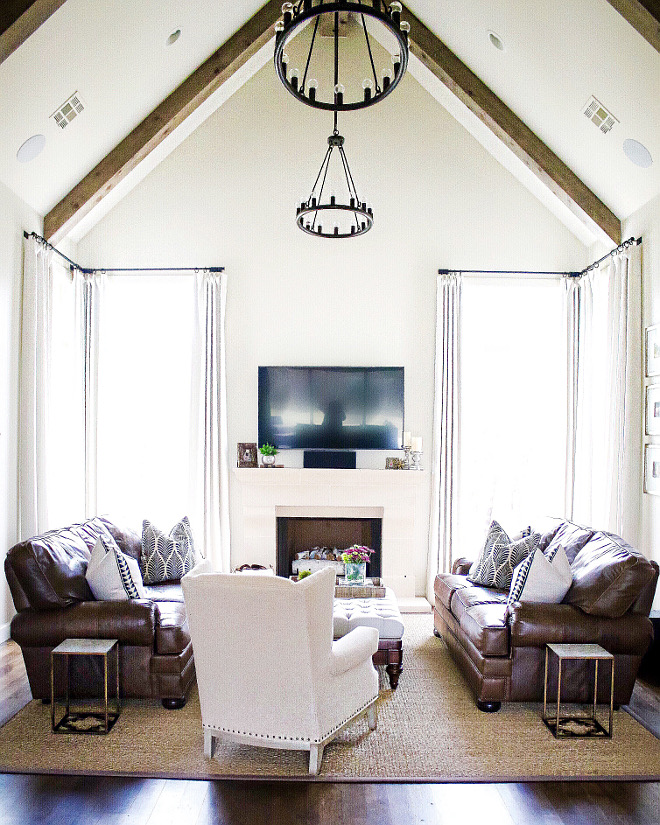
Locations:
{"points": [[384, 615]]}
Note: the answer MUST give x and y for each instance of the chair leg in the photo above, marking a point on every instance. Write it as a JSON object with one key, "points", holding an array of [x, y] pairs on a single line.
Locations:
{"points": [[209, 744], [372, 716], [315, 757]]}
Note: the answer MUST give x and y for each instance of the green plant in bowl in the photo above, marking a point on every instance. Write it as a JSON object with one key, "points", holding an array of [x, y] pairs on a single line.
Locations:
{"points": [[268, 449], [302, 574]]}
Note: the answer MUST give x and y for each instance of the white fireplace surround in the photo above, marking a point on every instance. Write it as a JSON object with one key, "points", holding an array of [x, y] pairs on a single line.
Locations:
{"points": [[398, 497]]}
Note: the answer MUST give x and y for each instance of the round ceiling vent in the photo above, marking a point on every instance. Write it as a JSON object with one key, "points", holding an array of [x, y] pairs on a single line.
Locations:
{"points": [[637, 153], [31, 148]]}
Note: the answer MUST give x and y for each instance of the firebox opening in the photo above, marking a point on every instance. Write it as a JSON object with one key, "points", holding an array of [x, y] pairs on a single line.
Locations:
{"points": [[297, 535]]}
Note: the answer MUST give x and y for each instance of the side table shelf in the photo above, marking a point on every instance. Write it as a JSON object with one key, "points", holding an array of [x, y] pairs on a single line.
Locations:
{"points": [[97, 721]]}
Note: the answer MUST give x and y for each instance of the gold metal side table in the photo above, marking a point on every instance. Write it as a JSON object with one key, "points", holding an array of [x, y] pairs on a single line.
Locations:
{"points": [[98, 721], [574, 725]]}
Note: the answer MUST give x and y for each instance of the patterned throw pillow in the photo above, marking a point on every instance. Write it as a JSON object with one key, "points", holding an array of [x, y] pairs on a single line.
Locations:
{"points": [[112, 575], [166, 558], [499, 557], [541, 577]]}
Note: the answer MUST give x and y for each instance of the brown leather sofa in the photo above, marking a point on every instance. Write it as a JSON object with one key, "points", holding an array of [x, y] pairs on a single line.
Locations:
{"points": [[46, 576], [502, 653]]}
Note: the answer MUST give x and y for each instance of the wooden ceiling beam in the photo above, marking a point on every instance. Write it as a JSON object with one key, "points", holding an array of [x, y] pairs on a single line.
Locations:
{"points": [[511, 130], [19, 19], [148, 134], [443, 63], [643, 16]]}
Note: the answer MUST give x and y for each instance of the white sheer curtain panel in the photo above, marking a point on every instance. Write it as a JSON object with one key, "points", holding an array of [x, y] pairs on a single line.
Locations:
{"points": [[66, 406], [608, 443], [572, 316], [209, 449], [34, 388], [446, 420], [93, 288]]}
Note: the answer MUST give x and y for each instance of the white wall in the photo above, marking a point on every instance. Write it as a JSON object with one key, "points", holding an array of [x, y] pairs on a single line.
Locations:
{"points": [[646, 222], [16, 217], [227, 197]]}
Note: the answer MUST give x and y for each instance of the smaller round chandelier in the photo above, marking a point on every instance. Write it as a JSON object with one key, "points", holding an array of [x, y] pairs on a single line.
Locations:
{"points": [[306, 23], [326, 213]]}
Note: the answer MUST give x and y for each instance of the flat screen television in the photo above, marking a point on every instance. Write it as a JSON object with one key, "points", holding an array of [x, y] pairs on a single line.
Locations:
{"points": [[331, 408]]}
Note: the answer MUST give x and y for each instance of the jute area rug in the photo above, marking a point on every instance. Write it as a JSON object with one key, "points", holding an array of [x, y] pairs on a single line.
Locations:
{"points": [[428, 730]]}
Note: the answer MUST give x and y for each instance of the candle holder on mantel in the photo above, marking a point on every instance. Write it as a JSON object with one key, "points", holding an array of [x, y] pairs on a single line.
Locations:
{"points": [[416, 458], [406, 460]]}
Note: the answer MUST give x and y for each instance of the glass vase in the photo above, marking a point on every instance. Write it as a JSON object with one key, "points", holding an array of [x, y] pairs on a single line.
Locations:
{"points": [[355, 572]]}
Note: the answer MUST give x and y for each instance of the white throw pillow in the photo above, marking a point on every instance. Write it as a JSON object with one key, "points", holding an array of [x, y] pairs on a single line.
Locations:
{"points": [[112, 575], [541, 578]]}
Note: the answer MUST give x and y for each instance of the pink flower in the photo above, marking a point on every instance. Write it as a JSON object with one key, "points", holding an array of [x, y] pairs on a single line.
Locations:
{"points": [[356, 553]]}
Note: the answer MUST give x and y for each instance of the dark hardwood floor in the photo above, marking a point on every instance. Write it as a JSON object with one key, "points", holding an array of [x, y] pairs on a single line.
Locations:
{"points": [[72, 800]]}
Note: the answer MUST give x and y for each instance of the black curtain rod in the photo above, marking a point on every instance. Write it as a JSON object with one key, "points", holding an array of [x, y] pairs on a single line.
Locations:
{"points": [[85, 271], [594, 265]]}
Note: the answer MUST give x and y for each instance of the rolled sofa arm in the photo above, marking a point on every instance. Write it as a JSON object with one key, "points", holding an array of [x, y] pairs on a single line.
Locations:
{"points": [[534, 625], [461, 567], [131, 622]]}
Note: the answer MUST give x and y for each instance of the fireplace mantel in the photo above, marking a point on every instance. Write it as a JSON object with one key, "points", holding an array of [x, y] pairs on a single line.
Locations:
{"points": [[399, 495]]}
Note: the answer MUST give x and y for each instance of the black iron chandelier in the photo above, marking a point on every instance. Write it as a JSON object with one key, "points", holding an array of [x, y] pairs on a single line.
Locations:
{"points": [[324, 213], [340, 91]]}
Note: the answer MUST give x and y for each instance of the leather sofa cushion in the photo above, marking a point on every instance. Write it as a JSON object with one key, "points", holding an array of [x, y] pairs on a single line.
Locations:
{"points": [[481, 614], [172, 631], [165, 592], [445, 585], [128, 541], [572, 537], [608, 576]]}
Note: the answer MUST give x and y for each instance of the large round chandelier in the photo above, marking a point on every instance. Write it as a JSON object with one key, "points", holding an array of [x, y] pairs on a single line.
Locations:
{"points": [[332, 79]]}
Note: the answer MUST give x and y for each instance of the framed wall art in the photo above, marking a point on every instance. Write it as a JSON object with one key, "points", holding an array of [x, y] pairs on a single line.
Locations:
{"points": [[247, 454], [653, 350], [652, 469], [653, 410]]}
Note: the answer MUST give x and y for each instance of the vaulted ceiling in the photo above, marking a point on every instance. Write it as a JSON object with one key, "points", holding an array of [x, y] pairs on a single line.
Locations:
{"points": [[141, 94]]}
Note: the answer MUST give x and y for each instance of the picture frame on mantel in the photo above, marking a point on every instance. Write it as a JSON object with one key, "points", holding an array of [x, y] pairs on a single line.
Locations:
{"points": [[652, 469], [653, 350], [246, 454], [653, 410]]}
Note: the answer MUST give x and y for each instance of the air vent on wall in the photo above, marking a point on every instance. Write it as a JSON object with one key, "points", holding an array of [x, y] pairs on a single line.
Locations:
{"points": [[65, 113], [599, 115]]}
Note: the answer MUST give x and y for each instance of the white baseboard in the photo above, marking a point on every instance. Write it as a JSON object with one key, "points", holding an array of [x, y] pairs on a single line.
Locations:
{"points": [[4, 632]]}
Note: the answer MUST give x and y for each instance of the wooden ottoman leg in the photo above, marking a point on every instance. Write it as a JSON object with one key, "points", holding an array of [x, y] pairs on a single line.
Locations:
{"points": [[395, 663]]}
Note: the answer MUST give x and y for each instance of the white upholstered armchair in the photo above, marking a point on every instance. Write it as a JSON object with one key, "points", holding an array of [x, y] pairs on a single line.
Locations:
{"points": [[268, 671]]}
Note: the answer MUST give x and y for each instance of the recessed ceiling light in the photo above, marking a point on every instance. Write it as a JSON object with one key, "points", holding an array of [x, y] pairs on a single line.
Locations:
{"points": [[637, 153], [31, 148], [496, 40], [176, 34]]}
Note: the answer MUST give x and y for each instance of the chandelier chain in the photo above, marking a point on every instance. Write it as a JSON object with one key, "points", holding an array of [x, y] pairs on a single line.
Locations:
{"points": [[309, 56], [371, 57]]}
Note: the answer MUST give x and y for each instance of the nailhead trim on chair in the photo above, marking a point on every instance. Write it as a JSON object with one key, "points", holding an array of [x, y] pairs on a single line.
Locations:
{"points": [[292, 738]]}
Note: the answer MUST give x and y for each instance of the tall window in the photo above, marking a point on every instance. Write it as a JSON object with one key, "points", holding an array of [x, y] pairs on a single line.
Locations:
{"points": [[144, 398], [512, 406]]}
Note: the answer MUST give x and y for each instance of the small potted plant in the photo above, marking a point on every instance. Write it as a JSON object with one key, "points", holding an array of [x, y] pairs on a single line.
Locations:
{"points": [[268, 453], [355, 560]]}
